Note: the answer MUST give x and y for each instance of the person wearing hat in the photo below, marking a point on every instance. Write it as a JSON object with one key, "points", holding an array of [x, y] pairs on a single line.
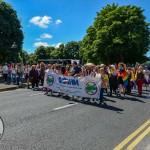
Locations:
{"points": [[122, 78], [140, 79], [104, 85], [112, 79]]}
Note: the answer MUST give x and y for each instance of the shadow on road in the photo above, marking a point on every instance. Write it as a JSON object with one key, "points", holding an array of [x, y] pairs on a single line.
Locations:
{"points": [[134, 99], [95, 104]]}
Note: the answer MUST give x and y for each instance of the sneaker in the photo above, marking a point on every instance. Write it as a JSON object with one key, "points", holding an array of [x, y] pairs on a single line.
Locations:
{"points": [[72, 98], [103, 104]]}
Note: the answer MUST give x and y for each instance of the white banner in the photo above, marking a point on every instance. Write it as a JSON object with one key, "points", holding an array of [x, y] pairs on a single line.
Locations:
{"points": [[87, 87]]}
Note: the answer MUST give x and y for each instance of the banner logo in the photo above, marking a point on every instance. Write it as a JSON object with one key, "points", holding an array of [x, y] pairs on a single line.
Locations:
{"points": [[50, 80], [91, 88]]}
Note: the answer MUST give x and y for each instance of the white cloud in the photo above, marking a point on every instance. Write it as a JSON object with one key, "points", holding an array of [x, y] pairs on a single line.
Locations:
{"points": [[57, 45], [38, 39], [58, 21], [46, 36], [37, 44], [41, 21]]}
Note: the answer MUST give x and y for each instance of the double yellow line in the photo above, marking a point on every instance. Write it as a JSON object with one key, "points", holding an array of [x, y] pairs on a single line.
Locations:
{"points": [[145, 127]]}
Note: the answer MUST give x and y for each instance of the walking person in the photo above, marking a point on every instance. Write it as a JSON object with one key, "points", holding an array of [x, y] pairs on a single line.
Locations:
{"points": [[122, 78], [104, 83], [14, 74], [113, 79], [42, 72], [26, 72], [140, 79], [129, 86], [133, 79], [19, 74], [5, 72], [9, 74], [34, 76], [146, 77]]}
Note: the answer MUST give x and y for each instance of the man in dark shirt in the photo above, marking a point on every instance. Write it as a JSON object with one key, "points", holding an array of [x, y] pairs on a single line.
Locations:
{"points": [[34, 75], [76, 71]]}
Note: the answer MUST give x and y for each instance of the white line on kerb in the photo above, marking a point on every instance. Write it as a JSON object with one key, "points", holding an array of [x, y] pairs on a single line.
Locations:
{"points": [[11, 91], [65, 106], [36, 94], [148, 147]]}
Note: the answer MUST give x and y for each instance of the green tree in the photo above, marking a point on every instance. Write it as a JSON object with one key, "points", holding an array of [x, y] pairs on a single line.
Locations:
{"points": [[71, 50], [10, 32], [58, 52], [41, 53], [49, 51], [24, 57], [32, 59], [117, 34]]}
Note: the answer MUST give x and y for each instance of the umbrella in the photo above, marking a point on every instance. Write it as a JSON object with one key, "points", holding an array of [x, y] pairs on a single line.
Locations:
{"points": [[89, 64]]}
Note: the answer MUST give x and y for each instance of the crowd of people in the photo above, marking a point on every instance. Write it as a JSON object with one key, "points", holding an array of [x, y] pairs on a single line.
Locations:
{"points": [[119, 79]]}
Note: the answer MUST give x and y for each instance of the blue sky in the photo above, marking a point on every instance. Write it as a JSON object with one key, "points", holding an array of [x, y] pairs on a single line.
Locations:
{"points": [[51, 22]]}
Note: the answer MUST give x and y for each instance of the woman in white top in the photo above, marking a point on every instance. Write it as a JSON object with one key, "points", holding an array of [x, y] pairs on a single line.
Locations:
{"points": [[14, 73]]}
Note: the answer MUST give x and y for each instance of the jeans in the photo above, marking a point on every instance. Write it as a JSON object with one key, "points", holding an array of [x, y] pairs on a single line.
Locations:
{"points": [[13, 78], [133, 85], [9, 77], [101, 94], [19, 78], [5, 77]]}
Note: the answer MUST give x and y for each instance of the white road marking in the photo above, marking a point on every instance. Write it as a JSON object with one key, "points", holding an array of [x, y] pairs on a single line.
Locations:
{"points": [[66, 106], [37, 94]]}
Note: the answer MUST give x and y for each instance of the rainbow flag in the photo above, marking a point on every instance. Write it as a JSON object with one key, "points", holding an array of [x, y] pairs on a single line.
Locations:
{"points": [[125, 78]]}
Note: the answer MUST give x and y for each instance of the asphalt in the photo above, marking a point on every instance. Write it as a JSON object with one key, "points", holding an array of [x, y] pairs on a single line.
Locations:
{"points": [[34, 121]]}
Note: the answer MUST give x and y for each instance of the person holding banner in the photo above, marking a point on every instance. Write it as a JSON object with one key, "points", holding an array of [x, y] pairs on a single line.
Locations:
{"points": [[104, 83], [76, 72], [49, 70]]}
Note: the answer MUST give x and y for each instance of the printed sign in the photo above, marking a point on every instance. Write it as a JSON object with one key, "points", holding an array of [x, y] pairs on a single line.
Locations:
{"points": [[77, 86]]}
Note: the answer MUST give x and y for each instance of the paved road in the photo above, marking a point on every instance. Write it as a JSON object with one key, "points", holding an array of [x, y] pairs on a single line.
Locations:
{"points": [[34, 121]]}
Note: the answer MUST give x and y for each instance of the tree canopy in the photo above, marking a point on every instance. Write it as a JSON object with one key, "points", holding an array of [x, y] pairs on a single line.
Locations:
{"points": [[119, 33], [69, 50], [10, 32]]}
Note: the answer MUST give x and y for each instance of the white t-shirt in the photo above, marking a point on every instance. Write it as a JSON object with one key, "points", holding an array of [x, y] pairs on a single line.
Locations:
{"points": [[5, 70], [14, 70]]}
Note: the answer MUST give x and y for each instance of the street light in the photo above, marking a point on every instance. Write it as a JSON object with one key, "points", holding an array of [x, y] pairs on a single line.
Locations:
{"points": [[14, 46]]}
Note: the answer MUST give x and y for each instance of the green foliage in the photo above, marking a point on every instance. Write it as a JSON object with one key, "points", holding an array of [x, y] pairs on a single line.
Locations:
{"points": [[117, 34], [32, 59], [10, 32], [68, 51]]}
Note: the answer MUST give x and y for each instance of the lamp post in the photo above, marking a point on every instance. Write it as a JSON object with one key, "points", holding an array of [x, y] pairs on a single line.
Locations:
{"points": [[13, 47]]}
